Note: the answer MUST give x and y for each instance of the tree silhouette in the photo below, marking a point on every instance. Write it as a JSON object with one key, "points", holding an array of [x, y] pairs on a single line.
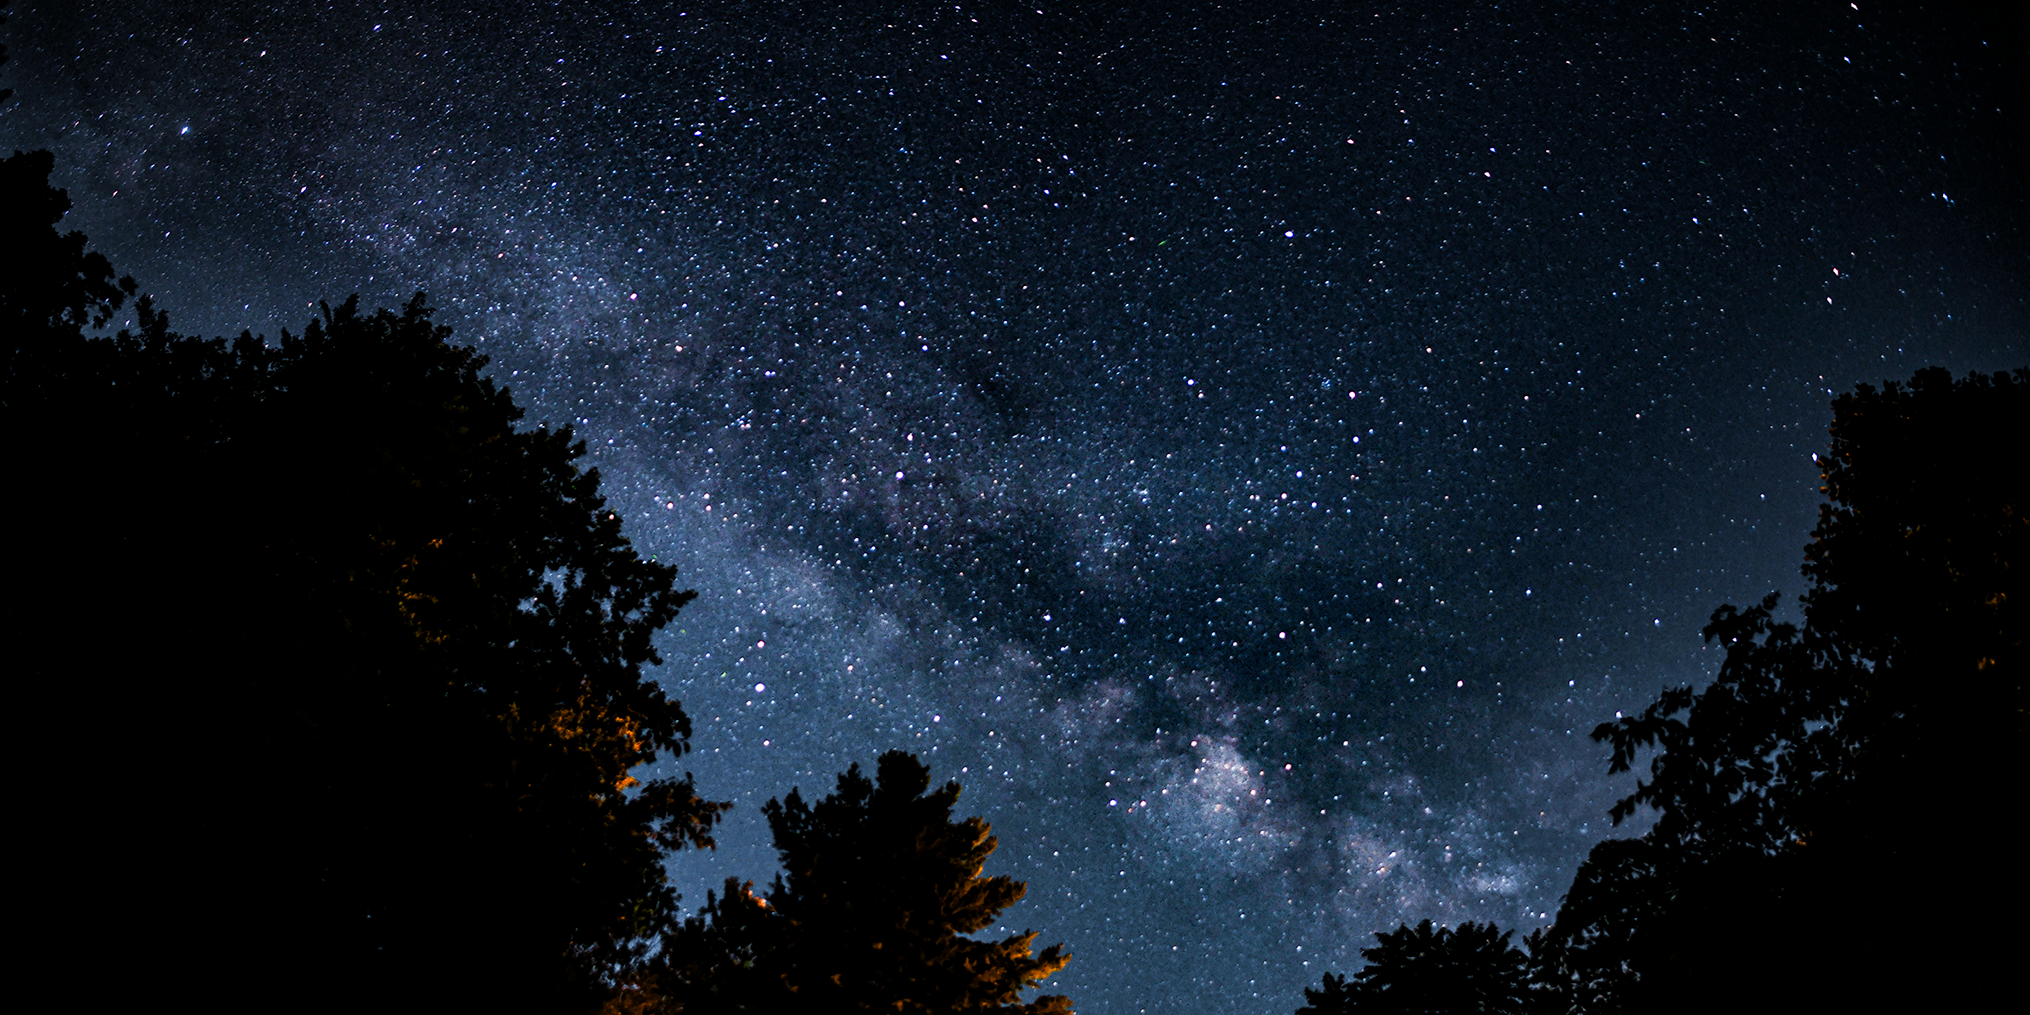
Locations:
{"points": [[1797, 793], [52, 281], [732, 957], [1415, 971], [880, 891], [347, 663], [1821, 754]]}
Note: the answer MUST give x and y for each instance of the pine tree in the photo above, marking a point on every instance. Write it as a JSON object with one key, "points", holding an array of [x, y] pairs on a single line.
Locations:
{"points": [[880, 891]]}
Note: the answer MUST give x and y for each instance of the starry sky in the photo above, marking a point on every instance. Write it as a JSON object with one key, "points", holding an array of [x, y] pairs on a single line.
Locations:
{"points": [[1249, 448]]}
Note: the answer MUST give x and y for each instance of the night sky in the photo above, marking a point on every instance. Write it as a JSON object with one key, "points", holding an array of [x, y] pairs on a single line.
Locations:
{"points": [[1249, 450]]}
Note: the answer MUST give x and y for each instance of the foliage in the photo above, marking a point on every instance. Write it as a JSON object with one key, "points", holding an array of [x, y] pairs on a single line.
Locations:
{"points": [[880, 893], [1801, 772], [379, 652], [1790, 863], [53, 282], [1911, 572], [1413, 971]]}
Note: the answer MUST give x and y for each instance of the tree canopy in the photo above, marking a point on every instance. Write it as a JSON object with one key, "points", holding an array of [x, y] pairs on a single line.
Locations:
{"points": [[880, 895], [351, 658], [1422, 971], [1825, 754], [356, 662], [1803, 796]]}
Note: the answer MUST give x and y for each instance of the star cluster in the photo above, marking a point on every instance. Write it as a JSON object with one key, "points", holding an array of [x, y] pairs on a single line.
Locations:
{"points": [[1247, 449]]}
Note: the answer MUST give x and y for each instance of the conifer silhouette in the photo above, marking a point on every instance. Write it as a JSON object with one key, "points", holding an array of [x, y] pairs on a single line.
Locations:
{"points": [[880, 892]]}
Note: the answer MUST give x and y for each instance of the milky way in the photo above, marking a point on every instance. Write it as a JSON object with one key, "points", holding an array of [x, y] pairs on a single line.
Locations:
{"points": [[1249, 451]]}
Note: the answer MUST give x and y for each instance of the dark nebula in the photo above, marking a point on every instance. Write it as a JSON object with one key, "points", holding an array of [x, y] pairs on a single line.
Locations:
{"points": [[1248, 449]]}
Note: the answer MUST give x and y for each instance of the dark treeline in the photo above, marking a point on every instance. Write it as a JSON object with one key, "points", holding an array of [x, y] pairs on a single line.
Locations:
{"points": [[329, 695], [369, 660], [333, 677], [1832, 810], [329, 691]]}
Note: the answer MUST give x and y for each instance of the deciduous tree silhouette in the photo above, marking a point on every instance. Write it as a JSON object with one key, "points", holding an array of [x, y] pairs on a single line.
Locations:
{"points": [[330, 676], [1802, 788], [880, 891], [1801, 794], [1417, 971], [53, 281]]}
